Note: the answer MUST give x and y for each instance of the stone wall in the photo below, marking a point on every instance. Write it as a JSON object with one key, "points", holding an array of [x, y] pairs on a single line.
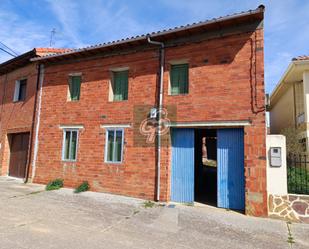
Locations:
{"points": [[289, 207]]}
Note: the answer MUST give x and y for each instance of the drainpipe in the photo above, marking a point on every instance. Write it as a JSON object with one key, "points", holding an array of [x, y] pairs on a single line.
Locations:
{"points": [[32, 125], [1, 118], [161, 44]]}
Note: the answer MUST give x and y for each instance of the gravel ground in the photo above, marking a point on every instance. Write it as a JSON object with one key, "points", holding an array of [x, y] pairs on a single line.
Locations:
{"points": [[33, 218]]}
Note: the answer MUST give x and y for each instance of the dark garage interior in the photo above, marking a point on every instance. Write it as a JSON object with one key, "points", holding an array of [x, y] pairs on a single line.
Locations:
{"points": [[205, 182]]}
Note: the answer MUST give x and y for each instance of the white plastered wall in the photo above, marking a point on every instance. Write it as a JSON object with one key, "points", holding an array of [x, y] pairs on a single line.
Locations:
{"points": [[276, 176]]}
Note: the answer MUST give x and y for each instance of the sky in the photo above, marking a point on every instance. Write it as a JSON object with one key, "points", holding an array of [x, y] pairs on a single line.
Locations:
{"points": [[25, 24]]}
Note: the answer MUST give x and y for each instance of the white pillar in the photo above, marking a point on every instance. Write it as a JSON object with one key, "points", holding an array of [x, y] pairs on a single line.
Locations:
{"points": [[276, 176], [306, 95]]}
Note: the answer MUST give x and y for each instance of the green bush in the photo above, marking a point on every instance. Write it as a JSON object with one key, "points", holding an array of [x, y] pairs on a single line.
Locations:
{"points": [[148, 204], [55, 184], [82, 188]]}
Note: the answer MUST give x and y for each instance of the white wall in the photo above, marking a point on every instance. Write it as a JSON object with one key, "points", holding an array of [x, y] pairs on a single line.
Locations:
{"points": [[276, 176], [282, 113], [306, 94]]}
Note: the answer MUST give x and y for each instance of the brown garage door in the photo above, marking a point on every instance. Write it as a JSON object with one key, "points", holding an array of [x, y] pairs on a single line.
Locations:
{"points": [[19, 150]]}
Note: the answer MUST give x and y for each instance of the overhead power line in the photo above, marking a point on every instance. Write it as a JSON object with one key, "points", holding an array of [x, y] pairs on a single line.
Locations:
{"points": [[9, 48], [7, 52]]}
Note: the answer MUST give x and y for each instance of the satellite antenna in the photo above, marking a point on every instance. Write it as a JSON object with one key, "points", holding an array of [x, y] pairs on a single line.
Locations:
{"points": [[52, 35]]}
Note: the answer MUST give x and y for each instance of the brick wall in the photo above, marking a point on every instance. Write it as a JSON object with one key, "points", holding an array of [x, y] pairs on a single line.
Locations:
{"points": [[15, 116], [222, 74]]}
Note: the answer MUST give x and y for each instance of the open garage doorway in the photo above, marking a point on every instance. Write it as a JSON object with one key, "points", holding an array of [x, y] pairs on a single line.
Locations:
{"points": [[208, 167], [205, 177]]}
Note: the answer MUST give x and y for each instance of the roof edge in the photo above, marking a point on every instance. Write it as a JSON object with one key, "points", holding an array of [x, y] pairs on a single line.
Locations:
{"points": [[281, 82], [259, 9], [26, 57], [294, 63]]}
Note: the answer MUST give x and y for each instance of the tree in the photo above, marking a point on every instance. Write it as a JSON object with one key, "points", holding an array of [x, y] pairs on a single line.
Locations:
{"points": [[293, 145]]}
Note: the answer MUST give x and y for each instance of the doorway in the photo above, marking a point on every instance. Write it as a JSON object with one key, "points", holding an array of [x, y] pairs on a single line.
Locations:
{"points": [[19, 144], [208, 167], [205, 165]]}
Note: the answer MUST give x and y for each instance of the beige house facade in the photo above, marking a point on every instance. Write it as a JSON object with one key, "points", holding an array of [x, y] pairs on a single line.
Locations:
{"points": [[289, 102]]}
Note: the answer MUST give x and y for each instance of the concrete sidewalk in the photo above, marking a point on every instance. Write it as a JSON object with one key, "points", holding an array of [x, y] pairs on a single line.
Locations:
{"points": [[33, 218]]}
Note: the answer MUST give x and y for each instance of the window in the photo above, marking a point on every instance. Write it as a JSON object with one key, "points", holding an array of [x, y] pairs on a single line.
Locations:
{"points": [[120, 86], [74, 87], [179, 79], [114, 145], [20, 90], [70, 140]]}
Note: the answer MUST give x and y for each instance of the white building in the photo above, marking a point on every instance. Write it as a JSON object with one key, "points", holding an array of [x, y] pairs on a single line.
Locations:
{"points": [[289, 102]]}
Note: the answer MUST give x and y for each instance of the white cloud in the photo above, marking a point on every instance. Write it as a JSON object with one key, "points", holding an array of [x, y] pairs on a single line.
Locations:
{"points": [[67, 13], [79, 23], [20, 35], [96, 21]]}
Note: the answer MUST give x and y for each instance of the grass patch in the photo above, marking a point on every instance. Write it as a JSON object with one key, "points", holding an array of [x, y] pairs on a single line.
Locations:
{"points": [[82, 188], [290, 239], [54, 185], [148, 204]]}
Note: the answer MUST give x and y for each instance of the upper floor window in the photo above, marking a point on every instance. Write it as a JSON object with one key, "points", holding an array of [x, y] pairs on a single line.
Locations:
{"points": [[74, 87], [179, 79], [114, 145], [69, 148], [20, 90], [119, 86]]}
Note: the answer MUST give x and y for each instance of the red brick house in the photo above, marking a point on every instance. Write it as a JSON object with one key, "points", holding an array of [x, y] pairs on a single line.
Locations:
{"points": [[18, 84], [99, 110]]}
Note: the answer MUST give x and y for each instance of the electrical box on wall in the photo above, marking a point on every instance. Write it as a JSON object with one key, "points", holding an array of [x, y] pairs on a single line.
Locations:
{"points": [[275, 157], [153, 113]]}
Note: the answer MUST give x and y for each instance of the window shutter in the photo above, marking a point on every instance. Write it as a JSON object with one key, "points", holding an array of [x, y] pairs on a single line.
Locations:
{"points": [[117, 87], [174, 81], [125, 85], [179, 79], [110, 146], [74, 86], [121, 85], [73, 145], [22, 90], [118, 146], [16, 91], [183, 79], [67, 145]]}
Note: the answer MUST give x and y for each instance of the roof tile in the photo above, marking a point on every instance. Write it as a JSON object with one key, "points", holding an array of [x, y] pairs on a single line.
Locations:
{"points": [[301, 58], [161, 32]]}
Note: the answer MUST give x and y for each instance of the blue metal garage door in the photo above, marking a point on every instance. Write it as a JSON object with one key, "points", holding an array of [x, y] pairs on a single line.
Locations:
{"points": [[182, 180], [231, 182]]}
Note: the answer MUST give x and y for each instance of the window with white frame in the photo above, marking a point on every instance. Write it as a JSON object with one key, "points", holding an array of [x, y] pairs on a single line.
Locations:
{"points": [[20, 90], [114, 145], [70, 143]]}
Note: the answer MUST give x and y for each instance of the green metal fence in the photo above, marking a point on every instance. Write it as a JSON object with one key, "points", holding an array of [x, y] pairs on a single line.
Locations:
{"points": [[298, 174]]}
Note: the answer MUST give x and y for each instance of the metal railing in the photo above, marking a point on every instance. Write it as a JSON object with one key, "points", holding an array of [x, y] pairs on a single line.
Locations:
{"points": [[298, 174]]}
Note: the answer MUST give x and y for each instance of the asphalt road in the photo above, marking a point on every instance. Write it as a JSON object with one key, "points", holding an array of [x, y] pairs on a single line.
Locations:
{"points": [[33, 218]]}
